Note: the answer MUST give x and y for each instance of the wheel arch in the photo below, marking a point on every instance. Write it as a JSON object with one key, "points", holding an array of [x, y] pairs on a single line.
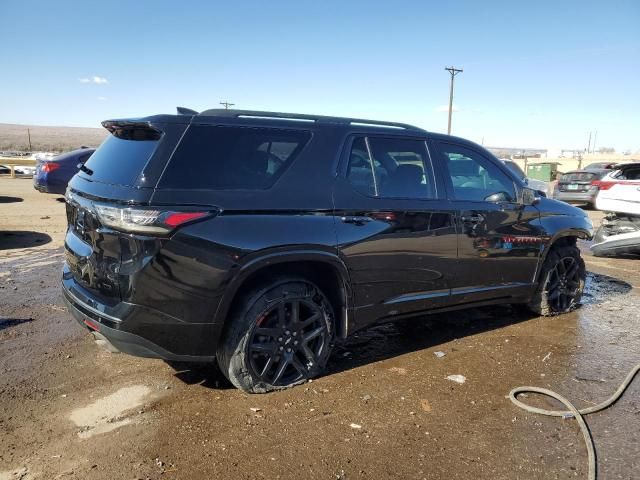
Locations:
{"points": [[323, 268], [566, 237]]}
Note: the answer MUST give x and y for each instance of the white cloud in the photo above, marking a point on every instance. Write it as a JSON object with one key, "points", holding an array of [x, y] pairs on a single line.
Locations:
{"points": [[95, 79], [102, 99], [445, 108]]}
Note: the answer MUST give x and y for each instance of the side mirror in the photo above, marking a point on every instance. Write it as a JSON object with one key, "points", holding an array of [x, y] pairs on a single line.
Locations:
{"points": [[497, 197], [529, 196]]}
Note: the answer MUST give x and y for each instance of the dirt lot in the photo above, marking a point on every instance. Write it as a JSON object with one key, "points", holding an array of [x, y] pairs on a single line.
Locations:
{"points": [[71, 410]]}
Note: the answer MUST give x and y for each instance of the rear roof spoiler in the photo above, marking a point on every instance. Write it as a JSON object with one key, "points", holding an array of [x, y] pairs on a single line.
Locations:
{"points": [[132, 129], [186, 111]]}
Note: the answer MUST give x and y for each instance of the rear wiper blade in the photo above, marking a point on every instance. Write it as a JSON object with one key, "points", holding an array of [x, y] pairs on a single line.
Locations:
{"points": [[86, 170]]}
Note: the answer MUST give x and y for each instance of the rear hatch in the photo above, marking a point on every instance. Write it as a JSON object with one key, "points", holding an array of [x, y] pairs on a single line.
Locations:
{"points": [[577, 181], [620, 191], [120, 175]]}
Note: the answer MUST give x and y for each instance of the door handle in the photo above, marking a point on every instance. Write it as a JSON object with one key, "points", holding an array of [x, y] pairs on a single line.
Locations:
{"points": [[473, 219], [356, 220]]}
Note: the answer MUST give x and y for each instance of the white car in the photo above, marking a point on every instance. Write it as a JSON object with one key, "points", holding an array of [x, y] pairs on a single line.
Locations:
{"points": [[619, 190], [21, 170]]}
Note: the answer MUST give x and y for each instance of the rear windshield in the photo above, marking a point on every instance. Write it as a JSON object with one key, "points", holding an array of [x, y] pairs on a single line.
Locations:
{"points": [[230, 158], [579, 177], [119, 161]]}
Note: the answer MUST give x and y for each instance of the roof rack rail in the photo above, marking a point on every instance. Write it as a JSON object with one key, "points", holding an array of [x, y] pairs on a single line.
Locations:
{"points": [[220, 112]]}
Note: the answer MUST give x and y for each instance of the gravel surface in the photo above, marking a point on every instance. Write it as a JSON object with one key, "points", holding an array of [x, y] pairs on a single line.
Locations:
{"points": [[425, 398]]}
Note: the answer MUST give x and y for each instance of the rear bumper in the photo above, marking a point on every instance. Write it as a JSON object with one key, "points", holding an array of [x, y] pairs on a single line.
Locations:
{"points": [[138, 330], [575, 197], [44, 187]]}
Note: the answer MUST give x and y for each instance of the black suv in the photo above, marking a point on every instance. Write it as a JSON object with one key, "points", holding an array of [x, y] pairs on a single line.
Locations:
{"points": [[260, 239]]}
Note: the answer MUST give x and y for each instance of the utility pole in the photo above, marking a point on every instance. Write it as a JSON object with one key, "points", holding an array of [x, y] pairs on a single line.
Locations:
{"points": [[453, 71], [589, 144], [226, 105], [593, 148], [29, 136]]}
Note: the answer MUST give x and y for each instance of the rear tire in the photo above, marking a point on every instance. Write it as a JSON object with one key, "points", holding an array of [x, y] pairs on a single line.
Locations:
{"points": [[279, 335], [562, 280]]}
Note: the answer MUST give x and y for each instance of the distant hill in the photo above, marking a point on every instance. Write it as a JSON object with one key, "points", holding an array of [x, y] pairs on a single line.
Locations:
{"points": [[54, 139]]}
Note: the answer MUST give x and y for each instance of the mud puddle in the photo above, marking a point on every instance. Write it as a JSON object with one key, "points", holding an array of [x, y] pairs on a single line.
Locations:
{"points": [[110, 412]]}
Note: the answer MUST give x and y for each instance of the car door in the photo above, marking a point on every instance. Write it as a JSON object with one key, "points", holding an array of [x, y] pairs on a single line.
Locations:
{"points": [[395, 230], [499, 240]]}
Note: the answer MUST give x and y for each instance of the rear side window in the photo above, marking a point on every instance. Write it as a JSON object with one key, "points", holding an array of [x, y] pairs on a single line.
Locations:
{"points": [[232, 158], [119, 161]]}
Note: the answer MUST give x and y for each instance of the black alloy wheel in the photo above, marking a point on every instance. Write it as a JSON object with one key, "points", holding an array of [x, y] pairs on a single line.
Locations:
{"points": [[288, 341], [561, 282], [564, 285], [280, 334]]}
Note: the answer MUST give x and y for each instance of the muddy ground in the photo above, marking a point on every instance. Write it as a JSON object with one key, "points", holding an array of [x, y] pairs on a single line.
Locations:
{"points": [[386, 409]]}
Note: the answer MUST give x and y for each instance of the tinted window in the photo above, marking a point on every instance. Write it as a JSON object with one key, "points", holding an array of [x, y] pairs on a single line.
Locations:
{"points": [[475, 177], [119, 161], [632, 173], [390, 167], [227, 158], [579, 177]]}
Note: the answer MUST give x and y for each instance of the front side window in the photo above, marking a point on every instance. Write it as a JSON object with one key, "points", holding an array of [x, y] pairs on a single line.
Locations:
{"points": [[232, 158], [475, 177], [391, 168]]}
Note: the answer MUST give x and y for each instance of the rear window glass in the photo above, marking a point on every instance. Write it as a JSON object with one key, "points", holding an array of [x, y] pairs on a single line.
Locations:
{"points": [[231, 158], [579, 177], [118, 161]]}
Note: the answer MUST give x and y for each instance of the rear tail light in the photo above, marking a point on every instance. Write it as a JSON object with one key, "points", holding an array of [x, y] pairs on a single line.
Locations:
{"points": [[603, 185], [146, 220], [50, 166]]}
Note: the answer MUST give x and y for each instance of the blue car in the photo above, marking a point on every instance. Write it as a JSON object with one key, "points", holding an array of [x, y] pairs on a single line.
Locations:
{"points": [[53, 175]]}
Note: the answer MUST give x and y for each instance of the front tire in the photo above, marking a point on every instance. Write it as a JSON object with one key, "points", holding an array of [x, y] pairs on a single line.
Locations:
{"points": [[280, 335], [562, 280]]}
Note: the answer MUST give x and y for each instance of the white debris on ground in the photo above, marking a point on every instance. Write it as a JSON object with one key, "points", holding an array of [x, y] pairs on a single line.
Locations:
{"points": [[457, 378]]}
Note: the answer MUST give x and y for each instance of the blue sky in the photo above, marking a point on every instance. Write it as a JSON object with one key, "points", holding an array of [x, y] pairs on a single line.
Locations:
{"points": [[536, 74]]}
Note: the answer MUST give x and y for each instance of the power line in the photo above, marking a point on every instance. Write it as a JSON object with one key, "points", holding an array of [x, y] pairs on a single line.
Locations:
{"points": [[226, 105], [453, 71]]}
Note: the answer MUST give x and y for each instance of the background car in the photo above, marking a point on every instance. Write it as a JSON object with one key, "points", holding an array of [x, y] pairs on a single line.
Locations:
{"points": [[579, 186], [25, 170], [619, 190], [601, 166], [538, 185], [52, 176]]}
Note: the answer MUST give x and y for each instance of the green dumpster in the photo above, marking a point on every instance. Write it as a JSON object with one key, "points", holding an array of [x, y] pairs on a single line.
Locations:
{"points": [[546, 171]]}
